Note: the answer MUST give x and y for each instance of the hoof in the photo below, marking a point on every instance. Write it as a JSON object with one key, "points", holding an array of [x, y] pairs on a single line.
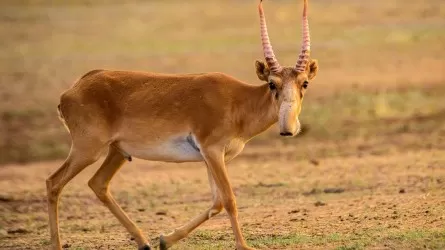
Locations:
{"points": [[146, 247], [162, 243]]}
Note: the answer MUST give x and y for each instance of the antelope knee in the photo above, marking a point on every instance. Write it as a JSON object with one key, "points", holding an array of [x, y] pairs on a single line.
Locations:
{"points": [[53, 192], [216, 209], [230, 205], [98, 189]]}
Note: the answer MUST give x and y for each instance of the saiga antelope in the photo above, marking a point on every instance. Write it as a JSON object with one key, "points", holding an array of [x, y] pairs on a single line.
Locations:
{"points": [[176, 118]]}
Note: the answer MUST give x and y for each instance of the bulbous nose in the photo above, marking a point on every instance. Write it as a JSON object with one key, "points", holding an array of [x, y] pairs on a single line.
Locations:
{"points": [[286, 131]]}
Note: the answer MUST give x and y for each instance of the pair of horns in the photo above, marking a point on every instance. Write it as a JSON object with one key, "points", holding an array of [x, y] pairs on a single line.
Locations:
{"points": [[271, 60]]}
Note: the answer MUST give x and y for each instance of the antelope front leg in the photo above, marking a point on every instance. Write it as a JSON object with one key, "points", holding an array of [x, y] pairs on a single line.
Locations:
{"points": [[181, 232], [215, 162]]}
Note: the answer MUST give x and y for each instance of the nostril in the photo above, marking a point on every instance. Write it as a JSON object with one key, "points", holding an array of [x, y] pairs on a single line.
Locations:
{"points": [[286, 134]]}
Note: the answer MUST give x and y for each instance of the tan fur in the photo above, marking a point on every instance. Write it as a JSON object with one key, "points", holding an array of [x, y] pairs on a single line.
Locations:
{"points": [[135, 113], [130, 106], [126, 112], [160, 117], [289, 92]]}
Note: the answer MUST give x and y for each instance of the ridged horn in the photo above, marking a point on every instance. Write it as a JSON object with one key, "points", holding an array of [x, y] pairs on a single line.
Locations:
{"points": [[271, 61], [303, 58]]}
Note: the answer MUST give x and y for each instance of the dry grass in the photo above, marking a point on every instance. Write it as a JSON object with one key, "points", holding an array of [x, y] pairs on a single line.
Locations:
{"points": [[374, 123], [377, 45]]}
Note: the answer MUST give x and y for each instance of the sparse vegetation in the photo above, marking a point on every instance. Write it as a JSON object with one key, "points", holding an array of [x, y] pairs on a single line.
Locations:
{"points": [[374, 123]]}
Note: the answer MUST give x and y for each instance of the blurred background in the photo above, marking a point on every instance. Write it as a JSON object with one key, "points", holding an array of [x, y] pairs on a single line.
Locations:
{"points": [[373, 119], [380, 61]]}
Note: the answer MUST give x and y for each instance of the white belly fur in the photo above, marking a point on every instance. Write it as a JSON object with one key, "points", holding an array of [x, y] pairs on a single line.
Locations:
{"points": [[177, 149]]}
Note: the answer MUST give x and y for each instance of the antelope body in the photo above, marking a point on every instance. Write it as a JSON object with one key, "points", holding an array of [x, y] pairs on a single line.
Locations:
{"points": [[162, 117], [204, 117]]}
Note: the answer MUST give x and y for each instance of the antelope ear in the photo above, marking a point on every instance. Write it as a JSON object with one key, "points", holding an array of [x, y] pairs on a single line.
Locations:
{"points": [[312, 69], [262, 71]]}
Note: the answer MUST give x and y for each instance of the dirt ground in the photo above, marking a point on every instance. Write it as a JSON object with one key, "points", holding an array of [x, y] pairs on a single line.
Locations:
{"points": [[367, 172], [374, 200]]}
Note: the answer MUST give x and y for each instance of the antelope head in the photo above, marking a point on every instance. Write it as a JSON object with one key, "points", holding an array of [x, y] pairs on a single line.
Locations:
{"points": [[287, 84]]}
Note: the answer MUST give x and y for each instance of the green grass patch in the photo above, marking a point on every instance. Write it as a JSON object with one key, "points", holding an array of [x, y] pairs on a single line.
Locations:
{"points": [[416, 239], [431, 239]]}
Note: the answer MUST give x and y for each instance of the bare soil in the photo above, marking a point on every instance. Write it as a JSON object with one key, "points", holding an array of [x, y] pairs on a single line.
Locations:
{"points": [[368, 171], [386, 200]]}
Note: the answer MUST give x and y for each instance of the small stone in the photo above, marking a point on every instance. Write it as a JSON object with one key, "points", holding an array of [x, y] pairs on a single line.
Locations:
{"points": [[319, 204], [18, 231], [402, 191], [294, 211], [161, 213], [314, 162], [5, 198], [66, 245], [333, 190]]}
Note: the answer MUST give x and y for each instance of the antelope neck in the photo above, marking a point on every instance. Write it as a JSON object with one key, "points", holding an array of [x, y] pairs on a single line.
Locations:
{"points": [[259, 111]]}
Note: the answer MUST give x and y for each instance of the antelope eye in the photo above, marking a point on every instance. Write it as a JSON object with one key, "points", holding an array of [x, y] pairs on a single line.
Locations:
{"points": [[272, 85], [305, 84]]}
